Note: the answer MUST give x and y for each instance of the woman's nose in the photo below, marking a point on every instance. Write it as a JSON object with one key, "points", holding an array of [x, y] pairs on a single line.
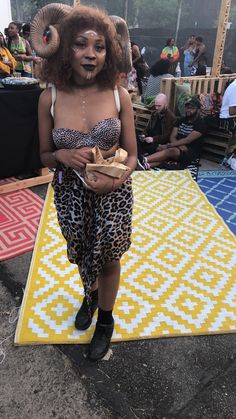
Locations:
{"points": [[90, 53]]}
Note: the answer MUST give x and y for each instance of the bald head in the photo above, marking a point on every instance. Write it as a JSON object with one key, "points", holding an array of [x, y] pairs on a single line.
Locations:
{"points": [[161, 103]]}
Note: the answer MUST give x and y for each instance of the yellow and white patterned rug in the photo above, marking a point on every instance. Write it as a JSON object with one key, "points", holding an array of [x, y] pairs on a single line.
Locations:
{"points": [[178, 277]]}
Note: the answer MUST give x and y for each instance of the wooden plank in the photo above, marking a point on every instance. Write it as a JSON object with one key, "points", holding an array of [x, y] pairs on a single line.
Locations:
{"points": [[218, 143], [43, 171], [26, 183], [206, 86], [215, 150], [212, 86], [212, 157], [220, 134], [193, 87], [199, 87], [220, 37], [220, 84]]}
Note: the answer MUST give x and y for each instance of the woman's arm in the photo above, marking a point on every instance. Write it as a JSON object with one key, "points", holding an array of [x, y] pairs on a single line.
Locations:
{"points": [[74, 158], [28, 56], [45, 122], [128, 138], [136, 53]]}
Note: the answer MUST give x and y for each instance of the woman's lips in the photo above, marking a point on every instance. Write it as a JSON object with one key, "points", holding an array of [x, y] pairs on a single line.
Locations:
{"points": [[88, 67]]}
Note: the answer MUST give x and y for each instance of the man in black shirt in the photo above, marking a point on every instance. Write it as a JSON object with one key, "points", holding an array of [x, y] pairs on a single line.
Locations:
{"points": [[185, 140]]}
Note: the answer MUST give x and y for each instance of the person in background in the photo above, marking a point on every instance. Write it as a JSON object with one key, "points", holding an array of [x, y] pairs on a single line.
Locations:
{"points": [[191, 40], [200, 61], [159, 127], [94, 210], [188, 58], [7, 61], [139, 64], [228, 108], [21, 50], [225, 69], [185, 141], [159, 70], [171, 53], [25, 31]]}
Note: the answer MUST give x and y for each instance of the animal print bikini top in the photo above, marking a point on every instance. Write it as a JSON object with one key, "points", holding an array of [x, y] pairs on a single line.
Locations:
{"points": [[105, 133]]}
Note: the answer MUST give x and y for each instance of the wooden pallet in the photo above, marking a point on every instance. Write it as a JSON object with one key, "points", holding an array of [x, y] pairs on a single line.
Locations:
{"points": [[218, 144], [44, 176], [198, 85], [142, 115]]}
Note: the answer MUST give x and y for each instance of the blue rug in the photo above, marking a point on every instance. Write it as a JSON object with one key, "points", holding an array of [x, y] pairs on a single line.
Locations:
{"points": [[220, 189]]}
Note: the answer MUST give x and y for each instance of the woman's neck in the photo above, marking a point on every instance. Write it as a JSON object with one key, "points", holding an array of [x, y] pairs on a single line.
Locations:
{"points": [[83, 83]]}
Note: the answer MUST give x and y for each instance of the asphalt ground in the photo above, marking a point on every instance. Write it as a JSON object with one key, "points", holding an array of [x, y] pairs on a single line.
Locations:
{"points": [[184, 377]]}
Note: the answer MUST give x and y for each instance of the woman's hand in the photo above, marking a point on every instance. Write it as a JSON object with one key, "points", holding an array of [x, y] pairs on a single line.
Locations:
{"points": [[20, 57], [100, 183], [76, 158]]}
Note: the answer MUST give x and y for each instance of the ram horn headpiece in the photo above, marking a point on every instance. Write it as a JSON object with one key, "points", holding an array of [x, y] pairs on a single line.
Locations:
{"points": [[47, 19]]}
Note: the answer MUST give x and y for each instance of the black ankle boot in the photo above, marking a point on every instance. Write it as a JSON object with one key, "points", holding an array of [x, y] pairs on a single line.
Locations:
{"points": [[100, 342], [83, 318]]}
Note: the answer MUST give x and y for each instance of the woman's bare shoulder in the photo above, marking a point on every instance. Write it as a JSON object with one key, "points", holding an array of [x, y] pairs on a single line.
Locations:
{"points": [[124, 96], [46, 96], [123, 93]]}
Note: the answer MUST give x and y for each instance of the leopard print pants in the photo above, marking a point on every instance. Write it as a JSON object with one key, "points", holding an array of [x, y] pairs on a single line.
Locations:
{"points": [[97, 228]]}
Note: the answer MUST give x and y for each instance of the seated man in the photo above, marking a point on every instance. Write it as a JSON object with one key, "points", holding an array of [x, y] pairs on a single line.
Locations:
{"points": [[228, 108], [159, 127], [185, 140]]}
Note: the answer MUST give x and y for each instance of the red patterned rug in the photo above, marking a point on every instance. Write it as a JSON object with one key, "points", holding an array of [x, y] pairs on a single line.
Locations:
{"points": [[20, 213]]}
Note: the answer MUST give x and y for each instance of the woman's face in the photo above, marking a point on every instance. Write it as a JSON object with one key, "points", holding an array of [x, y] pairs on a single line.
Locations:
{"points": [[12, 30], [88, 55]]}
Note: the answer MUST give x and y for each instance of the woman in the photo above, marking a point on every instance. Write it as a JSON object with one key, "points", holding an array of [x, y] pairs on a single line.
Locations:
{"points": [[7, 61], [188, 58], [171, 53], [21, 50], [82, 110], [140, 65], [159, 70]]}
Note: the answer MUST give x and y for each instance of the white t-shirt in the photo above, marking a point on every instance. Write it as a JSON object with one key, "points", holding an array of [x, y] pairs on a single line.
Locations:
{"points": [[229, 99]]}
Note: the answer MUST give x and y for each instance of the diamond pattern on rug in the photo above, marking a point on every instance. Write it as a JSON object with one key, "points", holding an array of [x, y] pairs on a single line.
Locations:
{"points": [[221, 192], [20, 213], [178, 278]]}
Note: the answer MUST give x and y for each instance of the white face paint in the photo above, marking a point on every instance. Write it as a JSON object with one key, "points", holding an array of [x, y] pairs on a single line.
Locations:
{"points": [[91, 34]]}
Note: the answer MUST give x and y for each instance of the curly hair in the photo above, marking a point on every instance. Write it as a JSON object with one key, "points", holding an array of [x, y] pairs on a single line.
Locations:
{"points": [[58, 70], [160, 67]]}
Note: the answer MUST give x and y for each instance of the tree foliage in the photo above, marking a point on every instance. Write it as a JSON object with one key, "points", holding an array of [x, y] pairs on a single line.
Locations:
{"points": [[141, 13]]}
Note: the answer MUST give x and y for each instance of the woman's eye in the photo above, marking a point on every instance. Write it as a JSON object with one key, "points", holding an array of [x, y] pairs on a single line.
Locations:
{"points": [[100, 48], [78, 45]]}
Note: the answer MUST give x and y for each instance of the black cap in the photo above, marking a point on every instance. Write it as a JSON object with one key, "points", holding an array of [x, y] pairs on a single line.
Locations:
{"points": [[194, 102]]}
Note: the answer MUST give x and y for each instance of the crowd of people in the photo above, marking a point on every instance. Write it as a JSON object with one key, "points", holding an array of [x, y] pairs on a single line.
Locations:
{"points": [[193, 55], [170, 139], [16, 53]]}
